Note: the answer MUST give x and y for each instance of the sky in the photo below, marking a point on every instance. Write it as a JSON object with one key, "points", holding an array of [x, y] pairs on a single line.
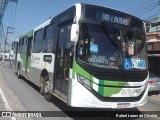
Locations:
{"points": [[28, 14]]}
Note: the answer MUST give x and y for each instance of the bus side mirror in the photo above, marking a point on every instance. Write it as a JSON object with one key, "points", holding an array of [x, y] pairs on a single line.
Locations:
{"points": [[74, 32]]}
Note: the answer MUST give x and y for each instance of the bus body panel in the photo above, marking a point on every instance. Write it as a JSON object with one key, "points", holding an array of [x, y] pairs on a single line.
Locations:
{"points": [[85, 98], [39, 62], [78, 99]]}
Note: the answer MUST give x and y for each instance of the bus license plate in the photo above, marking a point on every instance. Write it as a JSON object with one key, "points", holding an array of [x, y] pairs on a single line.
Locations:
{"points": [[123, 105]]}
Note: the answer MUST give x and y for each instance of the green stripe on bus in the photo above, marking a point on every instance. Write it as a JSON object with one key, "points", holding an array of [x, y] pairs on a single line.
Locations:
{"points": [[22, 56], [112, 83], [108, 91], [80, 71], [29, 61], [101, 89]]}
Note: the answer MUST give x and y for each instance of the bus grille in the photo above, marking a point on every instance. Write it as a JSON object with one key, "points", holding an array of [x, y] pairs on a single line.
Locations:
{"points": [[118, 99]]}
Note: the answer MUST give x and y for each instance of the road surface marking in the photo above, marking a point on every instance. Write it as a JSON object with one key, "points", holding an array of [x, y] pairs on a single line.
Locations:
{"points": [[6, 103]]}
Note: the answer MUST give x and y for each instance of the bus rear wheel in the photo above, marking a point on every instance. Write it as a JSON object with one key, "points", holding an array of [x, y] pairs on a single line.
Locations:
{"points": [[18, 73], [45, 88]]}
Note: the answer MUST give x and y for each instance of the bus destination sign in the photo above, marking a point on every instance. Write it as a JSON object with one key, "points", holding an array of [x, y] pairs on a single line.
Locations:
{"points": [[115, 19], [107, 14]]}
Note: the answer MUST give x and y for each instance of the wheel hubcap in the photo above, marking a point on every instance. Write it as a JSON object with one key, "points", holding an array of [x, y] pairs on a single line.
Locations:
{"points": [[18, 72], [46, 87]]}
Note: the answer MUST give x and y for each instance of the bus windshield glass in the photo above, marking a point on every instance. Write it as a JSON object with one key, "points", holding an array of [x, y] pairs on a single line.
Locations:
{"points": [[111, 47]]}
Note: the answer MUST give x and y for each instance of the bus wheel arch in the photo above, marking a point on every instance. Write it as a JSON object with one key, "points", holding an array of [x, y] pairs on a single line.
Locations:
{"points": [[44, 85]]}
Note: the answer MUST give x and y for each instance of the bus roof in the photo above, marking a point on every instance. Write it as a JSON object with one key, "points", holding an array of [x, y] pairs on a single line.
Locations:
{"points": [[28, 34], [17, 40], [43, 24], [72, 11]]}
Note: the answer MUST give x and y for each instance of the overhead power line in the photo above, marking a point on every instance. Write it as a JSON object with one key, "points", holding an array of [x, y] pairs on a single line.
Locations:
{"points": [[144, 7], [3, 7], [92, 1], [140, 5], [147, 11], [99, 1]]}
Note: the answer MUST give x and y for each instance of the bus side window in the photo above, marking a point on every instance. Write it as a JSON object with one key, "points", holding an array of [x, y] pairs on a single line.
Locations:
{"points": [[29, 48], [38, 41], [48, 39], [67, 51], [21, 45], [18, 46], [25, 44], [45, 42]]}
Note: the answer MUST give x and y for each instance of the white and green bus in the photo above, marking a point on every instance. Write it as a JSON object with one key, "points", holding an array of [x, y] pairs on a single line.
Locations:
{"points": [[22, 54], [87, 56]]}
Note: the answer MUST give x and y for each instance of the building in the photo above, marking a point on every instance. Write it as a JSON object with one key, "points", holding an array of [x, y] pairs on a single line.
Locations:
{"points": [[153, 45]]}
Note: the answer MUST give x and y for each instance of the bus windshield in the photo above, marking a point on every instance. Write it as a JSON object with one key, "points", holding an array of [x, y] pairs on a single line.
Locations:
{"points": [[110, 47]]}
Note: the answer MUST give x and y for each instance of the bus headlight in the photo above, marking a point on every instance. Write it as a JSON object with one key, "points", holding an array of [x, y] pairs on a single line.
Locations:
{"points": [[84, 81]]}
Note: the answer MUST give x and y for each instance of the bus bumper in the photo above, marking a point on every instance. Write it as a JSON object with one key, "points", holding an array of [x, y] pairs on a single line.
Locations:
{"points": [[82, 97]]}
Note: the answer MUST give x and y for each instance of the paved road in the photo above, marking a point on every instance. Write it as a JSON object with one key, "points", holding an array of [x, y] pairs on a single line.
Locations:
{"points": [[22, 95], [153, 103]]}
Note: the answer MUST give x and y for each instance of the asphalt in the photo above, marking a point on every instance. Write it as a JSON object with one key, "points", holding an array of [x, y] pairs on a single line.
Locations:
{"points": [[12, 91], [3, 103]]}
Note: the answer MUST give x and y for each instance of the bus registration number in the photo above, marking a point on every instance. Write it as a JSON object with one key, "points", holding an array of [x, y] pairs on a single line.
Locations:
{"points": [[123, 105]]}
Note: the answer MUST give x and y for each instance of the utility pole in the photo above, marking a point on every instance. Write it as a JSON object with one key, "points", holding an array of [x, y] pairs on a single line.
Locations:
{"points": [[9, 31], [3, 5]]}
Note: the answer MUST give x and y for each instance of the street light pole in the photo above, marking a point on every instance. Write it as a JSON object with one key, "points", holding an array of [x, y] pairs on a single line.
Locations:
{"points": [[5, 43]]}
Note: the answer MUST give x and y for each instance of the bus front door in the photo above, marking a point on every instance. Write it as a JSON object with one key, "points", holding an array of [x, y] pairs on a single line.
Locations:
{"points": [[61, 81]]}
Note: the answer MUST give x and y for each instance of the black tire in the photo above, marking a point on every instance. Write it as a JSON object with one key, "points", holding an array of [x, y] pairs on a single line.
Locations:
{"points": [[18, 73], [41, 85], [45, 88]]}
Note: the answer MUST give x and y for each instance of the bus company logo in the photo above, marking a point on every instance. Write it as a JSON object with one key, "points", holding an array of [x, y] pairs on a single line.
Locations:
{"points": [[36, 58], [114, 19]]}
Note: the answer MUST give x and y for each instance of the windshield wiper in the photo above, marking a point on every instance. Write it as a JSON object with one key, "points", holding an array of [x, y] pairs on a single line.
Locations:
{"points": [[107, 30], [134, 36]]}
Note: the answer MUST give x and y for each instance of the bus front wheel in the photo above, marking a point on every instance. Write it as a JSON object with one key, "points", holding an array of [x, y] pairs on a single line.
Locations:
{"points": [[45, 88]]}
